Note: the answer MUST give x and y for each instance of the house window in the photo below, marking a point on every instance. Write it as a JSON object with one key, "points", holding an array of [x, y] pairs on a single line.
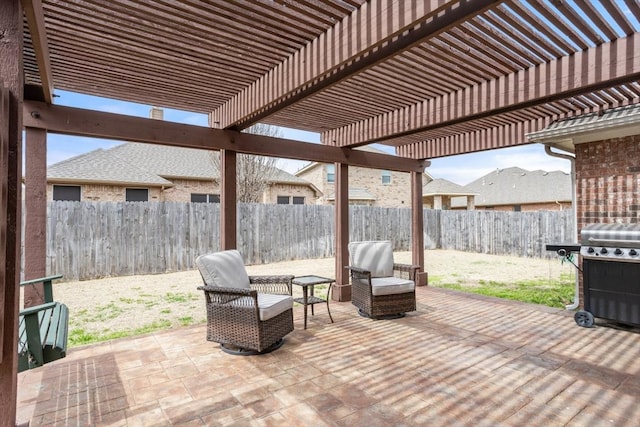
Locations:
{"points": [[386, 177], [205, 198], [66, 192], [331, 173], [137, 195], [286, 200], [517, 208]]}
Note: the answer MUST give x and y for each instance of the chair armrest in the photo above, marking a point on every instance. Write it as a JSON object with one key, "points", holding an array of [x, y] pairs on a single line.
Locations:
{"points": [[221, 295], [411, 270], [31, 310], [238, 292], [360, 275], [46, 284], [274, 284], [42, 279], [358, 270]]}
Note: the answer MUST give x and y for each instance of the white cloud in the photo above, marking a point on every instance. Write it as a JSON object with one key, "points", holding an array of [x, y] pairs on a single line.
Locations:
{"points": [[532, 161], [463, 169]]}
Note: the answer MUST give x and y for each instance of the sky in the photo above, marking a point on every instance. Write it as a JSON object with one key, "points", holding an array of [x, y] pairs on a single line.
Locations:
{"points": [[461, 169]]}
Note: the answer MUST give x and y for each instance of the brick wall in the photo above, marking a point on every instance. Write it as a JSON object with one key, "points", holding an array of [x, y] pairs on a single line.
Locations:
{"points": [[396, 194], [608, 181], [182, 190], [607, 184], [288, 190]]}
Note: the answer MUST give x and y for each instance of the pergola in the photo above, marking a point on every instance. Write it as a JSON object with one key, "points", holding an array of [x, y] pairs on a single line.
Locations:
{"points": [[432, 78]]}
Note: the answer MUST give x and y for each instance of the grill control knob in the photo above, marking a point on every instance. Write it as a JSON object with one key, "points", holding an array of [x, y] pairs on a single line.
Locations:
{"points": [[604, 251], [618, 251], [590, 250], [633, 252]]}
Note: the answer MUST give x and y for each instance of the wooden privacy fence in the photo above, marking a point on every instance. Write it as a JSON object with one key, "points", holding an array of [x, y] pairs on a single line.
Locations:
{"points": [[88, 240]]}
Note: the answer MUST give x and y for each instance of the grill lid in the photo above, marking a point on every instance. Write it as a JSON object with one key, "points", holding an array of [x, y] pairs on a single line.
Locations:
{"points": [[619, 235]]}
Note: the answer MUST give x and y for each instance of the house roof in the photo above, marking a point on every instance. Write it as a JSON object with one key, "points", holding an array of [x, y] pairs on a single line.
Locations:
{"points": [[614, 123], [356, 194], [443, 187], [103, 166], [146, 164], [517, 186], [313, 165], [169, 162]]}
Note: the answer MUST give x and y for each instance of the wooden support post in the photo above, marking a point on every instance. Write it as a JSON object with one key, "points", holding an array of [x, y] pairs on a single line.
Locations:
{"points": [[228, 200], [11, 87], [342, 289], [35, 242], [417, 227]]}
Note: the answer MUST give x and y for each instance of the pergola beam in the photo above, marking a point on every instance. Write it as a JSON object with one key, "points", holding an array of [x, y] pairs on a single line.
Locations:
{"points": [[76, 121], [375, 32], [597, 68], [483, 138], [35, 21]]}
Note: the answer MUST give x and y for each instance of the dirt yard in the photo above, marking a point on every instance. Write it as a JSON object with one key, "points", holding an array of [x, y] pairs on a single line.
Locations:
{"points": [[137, 302]]}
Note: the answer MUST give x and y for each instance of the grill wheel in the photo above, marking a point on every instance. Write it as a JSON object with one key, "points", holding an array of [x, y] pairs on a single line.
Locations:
{"points": [[584, 319]]}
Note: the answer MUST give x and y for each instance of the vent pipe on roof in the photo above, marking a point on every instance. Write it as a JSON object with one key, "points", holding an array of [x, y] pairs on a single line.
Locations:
{"points": [[572, 160]]}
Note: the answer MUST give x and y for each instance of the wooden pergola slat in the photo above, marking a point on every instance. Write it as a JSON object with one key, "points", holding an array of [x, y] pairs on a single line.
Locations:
{"points": [[544, 83], [347, 59]]}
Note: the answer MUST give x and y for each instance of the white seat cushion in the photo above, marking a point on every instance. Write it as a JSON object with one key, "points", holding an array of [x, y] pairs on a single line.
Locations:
{"points": [[271, 305], [391, 286], [224, 269], [373, 256]]}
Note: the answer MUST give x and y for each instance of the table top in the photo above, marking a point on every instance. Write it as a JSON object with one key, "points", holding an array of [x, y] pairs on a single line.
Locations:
{"points": [[311, 280]]}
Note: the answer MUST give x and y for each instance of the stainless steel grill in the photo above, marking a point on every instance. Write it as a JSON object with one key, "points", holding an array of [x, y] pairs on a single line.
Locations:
{"points": [[611, 273], [614, 242]]}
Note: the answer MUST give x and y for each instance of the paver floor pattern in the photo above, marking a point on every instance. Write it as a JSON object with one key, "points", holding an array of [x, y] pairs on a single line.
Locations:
{"points": [[459, 360]]}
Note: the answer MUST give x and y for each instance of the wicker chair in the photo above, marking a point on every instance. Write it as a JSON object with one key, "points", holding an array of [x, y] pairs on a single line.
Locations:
{"points": [[246, 315], [380, 288]]}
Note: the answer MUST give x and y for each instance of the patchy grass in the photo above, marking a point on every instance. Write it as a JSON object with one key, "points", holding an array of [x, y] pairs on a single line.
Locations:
{"points": [[552, 293], [79, 336], [105, 321]]}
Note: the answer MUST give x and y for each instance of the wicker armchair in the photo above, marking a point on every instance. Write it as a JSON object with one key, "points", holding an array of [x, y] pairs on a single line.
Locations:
{"points": [[380, 288], [246, 315]]}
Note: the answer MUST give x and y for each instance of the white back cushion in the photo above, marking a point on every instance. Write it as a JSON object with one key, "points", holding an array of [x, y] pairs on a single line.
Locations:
{"points": [[224, 269], [374, 256]]}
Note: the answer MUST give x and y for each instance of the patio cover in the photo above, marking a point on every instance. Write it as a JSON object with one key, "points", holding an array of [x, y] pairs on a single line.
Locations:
{"points": [[431, 78]]}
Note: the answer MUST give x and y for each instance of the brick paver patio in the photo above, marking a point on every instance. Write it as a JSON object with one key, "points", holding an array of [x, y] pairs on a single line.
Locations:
{"points": [[459, 360]]}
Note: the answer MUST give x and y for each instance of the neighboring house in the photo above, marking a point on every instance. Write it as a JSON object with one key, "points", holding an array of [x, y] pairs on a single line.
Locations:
{"points": [[516, 189], [148, 172], [438, 193], [370, 187]]}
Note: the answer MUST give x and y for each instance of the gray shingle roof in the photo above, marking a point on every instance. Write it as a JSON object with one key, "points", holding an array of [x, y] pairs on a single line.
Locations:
{"points": [[148, 164], [356, 194], [512, 186], [102, 166], [441, 186], [368, 148], [167, 161], [586, 123]]}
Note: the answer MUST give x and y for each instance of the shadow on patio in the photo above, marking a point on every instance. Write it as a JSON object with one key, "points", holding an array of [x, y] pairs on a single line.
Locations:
{"points": [[459, 360]]}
